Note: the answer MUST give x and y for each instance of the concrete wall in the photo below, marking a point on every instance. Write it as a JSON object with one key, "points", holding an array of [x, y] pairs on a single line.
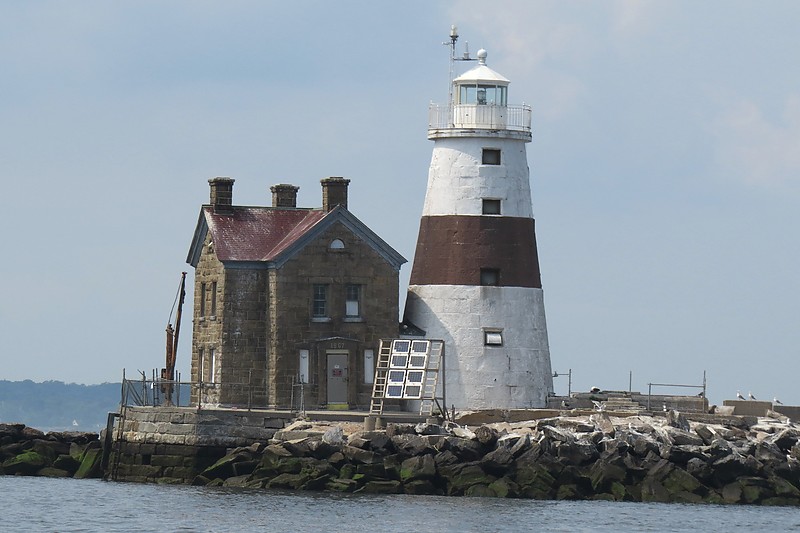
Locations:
{"points": [[457, 180], [516, 375], [792, 411], [748, 407]]}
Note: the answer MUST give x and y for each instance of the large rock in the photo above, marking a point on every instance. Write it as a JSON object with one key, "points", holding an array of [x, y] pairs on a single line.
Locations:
{"points": [[498, 461], [67, 463], [416, 468], [411, 445], [26, 464], [677, 420], [535, 481], [683, 437], [465, 450], [224, 468], [487, 436], [91, 465], [577, 453], [460, 477], [357, 455]]}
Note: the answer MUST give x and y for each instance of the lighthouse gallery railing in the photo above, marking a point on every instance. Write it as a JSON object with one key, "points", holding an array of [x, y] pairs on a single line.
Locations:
{"points": [[476, 116]]}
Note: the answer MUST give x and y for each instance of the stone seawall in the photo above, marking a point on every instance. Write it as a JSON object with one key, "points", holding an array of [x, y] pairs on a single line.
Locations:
{"points": [[635, 458], [26, 451], [174, 445], [576, 455]]}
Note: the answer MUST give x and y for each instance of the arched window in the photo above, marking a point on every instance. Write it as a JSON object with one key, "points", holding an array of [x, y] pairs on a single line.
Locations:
{"points": [[336, 244]]}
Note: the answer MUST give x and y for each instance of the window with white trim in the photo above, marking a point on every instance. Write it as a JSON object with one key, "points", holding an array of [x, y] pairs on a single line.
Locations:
{"points": [[491, 206], [493, 337], [352, 301], [320, 301]]}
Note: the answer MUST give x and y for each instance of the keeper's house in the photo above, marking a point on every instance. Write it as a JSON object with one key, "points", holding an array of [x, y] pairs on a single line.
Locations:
{"points": [[289, 299]]}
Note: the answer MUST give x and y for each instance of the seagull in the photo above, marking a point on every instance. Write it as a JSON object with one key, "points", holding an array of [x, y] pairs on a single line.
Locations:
{"points": [[777, 401], [564, 403], [739, 395], [701, 395], [594, 390], [750, 395]]}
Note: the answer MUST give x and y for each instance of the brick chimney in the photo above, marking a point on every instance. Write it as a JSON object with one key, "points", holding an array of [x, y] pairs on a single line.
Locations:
{"points": [[284, 195], [334, 192], [222, 195]]}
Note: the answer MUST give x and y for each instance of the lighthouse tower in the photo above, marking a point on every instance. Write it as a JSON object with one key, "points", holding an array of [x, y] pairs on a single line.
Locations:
{"points": [[475, 282]]}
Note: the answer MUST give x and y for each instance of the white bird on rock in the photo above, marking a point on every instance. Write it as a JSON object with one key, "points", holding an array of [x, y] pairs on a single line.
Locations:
{"points": [[777, 401], [750, 395], [739, 395]]}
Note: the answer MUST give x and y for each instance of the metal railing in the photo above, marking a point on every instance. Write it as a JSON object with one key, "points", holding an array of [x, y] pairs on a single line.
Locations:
{"points": [[202, 394], [474, 116], [701, 397]]}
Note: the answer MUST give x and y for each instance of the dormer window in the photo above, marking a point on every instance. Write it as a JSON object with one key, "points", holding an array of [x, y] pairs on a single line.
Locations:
{"points": [[336, 244]]}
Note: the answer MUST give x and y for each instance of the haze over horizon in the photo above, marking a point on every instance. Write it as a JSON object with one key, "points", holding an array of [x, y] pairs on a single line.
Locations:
{"points": [[665, 167]]}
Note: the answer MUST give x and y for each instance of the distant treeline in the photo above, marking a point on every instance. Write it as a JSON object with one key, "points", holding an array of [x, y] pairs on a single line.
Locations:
{"points": [[58, 406]]}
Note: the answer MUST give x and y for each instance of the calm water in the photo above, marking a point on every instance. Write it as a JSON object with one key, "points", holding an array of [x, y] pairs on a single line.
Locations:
{"points": [[41, 504]]}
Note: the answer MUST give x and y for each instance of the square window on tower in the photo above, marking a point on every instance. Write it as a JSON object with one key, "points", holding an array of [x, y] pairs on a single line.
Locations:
{"points": [[493, 337], [490, 276], [491, 206], [491, 156]]}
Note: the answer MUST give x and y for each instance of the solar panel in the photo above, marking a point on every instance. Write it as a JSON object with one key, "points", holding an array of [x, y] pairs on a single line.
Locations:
{"points": [[401, 346], [399, 361], [417, 361], [420, 346], [408, 368], [414, 376], [412, 392], [394, 391]]}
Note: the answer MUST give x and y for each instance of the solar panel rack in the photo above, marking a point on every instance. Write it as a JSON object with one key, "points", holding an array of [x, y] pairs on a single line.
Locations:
{"points": [[398, 387], [381, 375], [434, 367]]}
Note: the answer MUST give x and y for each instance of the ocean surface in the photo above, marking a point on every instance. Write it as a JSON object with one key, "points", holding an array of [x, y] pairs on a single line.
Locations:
{"points": [[46, 504]]}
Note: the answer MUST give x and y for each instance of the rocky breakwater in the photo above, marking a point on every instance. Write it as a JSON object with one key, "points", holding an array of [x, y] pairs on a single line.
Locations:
{"points": [[26, 451], [635, 458]]}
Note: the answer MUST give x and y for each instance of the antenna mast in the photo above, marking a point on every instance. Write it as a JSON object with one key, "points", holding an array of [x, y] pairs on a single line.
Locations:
{"points": [[452, 44]]}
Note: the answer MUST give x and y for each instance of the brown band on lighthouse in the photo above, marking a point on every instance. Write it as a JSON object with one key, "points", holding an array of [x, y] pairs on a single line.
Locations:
{"points": [[453, 249]]}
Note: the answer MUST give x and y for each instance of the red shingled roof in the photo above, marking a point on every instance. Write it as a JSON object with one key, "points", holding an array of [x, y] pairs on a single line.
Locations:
{"points": [[258, 233]]}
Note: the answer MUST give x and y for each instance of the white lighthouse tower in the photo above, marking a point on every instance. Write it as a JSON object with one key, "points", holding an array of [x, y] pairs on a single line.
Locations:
{"points": [[475, 282]]}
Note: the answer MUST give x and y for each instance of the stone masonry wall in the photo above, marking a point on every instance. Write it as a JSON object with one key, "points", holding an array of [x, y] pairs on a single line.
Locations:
{"points": [[173, 445], [206, 328], [244, 337], [237, 333], [291, 315]]}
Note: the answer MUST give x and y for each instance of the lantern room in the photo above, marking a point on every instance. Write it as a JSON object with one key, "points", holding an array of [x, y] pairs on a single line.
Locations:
{"points": [[481, 85]]}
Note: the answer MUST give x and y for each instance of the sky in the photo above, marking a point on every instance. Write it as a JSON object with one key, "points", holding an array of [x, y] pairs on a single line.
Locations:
{"points": [[665, 167]]}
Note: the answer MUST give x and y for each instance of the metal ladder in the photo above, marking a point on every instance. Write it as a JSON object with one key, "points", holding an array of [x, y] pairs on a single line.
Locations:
{"points": [[381, 375], [435, 364]]}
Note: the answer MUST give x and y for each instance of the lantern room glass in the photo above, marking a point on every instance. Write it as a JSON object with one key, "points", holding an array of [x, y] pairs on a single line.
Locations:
{"points": [[482, 94]]}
